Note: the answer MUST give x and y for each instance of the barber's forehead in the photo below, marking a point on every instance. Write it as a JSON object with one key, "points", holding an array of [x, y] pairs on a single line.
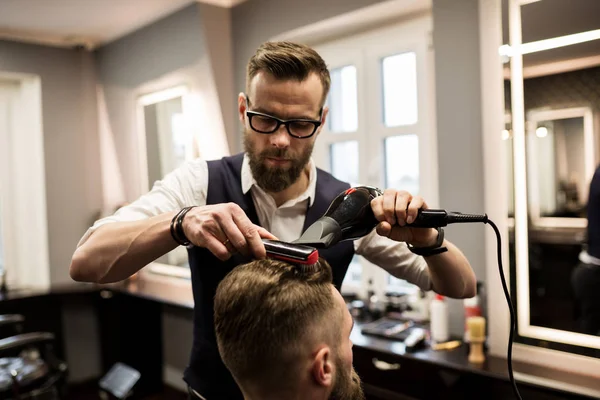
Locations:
{"points": [[265, 87]]}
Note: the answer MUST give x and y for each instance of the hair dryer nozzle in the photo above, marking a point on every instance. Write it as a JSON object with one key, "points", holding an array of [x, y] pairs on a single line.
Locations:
{"points": [[349, 216], [322, 234]]}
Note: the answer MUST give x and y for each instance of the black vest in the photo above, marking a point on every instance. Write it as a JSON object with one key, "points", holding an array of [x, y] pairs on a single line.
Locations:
{"points": [[593, 216], [206, 373]]}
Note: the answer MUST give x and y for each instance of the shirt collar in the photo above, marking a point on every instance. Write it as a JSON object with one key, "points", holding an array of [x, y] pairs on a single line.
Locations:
{"points": [[248, 181]]}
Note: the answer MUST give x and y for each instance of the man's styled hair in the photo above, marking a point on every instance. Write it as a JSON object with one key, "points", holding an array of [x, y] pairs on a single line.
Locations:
{"points": [[287, 60], [266, 314]]}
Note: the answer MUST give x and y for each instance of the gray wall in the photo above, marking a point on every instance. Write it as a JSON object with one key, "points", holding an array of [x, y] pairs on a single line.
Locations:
{"points": [[218, 29], [72, 160], [256, 21], [459, 124], [171, 44]]}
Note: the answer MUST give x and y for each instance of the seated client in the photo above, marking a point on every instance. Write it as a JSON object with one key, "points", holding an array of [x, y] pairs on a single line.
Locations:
{"points": [[284, 332]]}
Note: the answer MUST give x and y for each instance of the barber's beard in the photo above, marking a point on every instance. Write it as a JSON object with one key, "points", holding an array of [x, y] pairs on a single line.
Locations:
{"points": [[275, 179], [347, 385]]}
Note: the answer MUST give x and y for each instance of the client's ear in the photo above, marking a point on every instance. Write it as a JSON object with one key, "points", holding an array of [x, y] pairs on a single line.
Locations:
{"points": [[322, 368]]}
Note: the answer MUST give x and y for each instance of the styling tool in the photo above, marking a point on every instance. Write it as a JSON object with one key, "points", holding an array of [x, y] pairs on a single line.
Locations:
{"points": [[289, 252]]}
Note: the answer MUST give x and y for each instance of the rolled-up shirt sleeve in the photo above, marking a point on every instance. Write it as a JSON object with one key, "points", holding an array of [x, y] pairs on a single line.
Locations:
{"points": [[395, 258], [184, 186]]}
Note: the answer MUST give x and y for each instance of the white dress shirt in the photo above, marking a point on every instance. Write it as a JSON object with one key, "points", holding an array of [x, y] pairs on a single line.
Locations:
{"points": [[188, 185]]}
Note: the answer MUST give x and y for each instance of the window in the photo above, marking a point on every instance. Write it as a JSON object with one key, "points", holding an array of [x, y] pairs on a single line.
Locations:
{"points": [[400, 89], [402, 172], [342, 100], [380, 130], [344, 160], [22, 183]]}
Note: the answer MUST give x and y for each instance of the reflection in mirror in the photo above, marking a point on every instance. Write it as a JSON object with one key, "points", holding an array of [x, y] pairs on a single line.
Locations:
{"points": [[560, 161], [168, 144], [559, 170], [165, 137]]}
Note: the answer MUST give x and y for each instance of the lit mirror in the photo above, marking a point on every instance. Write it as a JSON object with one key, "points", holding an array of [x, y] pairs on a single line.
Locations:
{"points": [[551, 138], [166, 142]]}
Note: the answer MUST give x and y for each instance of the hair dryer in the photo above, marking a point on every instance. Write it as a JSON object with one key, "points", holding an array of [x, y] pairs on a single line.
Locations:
{"points": [[350, 217]]}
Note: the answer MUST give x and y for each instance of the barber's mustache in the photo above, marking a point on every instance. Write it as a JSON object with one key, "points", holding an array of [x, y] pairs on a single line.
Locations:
{"points": [[276, 153]]}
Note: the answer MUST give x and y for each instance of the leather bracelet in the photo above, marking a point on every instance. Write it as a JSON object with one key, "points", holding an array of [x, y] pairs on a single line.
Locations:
{"points": [[437, 248], [177, 227], [173, 230]]}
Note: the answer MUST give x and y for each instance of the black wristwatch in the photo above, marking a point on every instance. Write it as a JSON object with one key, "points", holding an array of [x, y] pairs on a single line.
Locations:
{"points": [[432, 250]]}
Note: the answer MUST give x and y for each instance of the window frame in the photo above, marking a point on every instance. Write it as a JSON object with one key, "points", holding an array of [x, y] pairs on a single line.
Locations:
{"points": [[23, 171], [366, 51]]}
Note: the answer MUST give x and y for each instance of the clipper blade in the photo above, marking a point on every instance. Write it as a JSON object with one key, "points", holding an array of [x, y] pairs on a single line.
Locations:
{"points": [[290, 252]]}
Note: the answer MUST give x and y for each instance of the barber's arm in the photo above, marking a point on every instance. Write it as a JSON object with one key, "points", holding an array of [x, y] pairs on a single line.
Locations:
{"points": [[450, 272], [120, 245]]}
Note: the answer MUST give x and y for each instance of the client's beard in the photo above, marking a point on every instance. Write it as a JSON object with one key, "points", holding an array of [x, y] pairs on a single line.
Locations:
{"points": [[347, 386], [274, 179]]}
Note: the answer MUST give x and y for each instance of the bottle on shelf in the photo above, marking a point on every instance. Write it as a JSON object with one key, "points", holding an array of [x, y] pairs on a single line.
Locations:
{"points": [[439, 319]]}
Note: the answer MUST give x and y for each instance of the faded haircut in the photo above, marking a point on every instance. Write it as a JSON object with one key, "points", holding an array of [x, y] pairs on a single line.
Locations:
{"points": [[267, 313]]}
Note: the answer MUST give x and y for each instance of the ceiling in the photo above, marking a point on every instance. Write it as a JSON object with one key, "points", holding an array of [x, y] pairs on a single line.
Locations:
{"points": [[90, 23], [546, 19]]}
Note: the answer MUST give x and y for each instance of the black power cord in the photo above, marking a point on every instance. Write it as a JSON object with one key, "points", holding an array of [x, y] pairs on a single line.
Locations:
{"points": [[510, 307], [431, 218]]}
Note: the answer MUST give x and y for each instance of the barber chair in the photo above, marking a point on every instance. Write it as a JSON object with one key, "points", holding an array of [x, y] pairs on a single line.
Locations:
{"points": [[29, 369]]}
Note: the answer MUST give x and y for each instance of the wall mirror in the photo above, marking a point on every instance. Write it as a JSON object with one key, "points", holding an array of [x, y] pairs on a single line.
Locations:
{"points": [[165, 142], [552, 114]]}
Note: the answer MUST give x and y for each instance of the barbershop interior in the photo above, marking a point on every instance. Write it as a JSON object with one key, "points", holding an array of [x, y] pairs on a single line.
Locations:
{"points": [[283, 199]]}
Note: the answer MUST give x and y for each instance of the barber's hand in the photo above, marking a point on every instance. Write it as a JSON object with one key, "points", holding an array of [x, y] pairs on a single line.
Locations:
{"points": [[394, 210], [224, 229]]}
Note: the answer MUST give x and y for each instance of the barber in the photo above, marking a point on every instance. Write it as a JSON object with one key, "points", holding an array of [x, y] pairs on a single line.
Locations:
{"points": [[273, 190]]}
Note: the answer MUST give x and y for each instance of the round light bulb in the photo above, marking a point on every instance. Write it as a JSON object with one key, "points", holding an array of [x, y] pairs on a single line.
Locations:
{"points": [[541, 132]]}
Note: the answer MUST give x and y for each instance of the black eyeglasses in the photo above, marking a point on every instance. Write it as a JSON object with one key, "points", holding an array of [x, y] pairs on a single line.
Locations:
{"points": [[298, 128]]}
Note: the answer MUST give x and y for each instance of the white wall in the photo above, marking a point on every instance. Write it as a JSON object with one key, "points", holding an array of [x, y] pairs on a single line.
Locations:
{"points": [[459, 125]]}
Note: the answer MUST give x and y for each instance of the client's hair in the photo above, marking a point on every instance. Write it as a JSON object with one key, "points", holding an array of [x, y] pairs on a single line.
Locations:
{"points": [[266, 314]]}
